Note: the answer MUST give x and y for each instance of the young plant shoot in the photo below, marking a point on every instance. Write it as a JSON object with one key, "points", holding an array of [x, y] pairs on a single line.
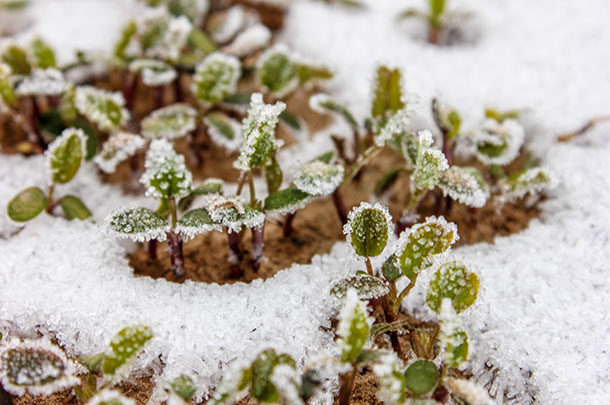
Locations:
{"points": [[437, 18]]}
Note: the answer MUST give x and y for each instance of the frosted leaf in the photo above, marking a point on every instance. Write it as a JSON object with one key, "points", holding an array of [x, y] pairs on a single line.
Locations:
{"points": [[194, 10], [391, 268], [259, 133], [388, 371], [27, 204], [209, 186], [124, 347], [470, 392], [430, 163], [318, 178], [368, 229], [165, 173], [16, 57], [397, 123], [353, 328], [118, 148], [262, 387], [234, 382], [464, 184], [452, 337], [216, 78], [137, 224], [421, 377], [234, 20], [224, 130], [104, 108], [323, 104], [184, 387], [309, 74], [43, 82], [110, 397], [288, 383], [65, 155], [387, 93], [42, 55], [368, 287], [276, 70], [151, 26], [407, 144], [171, 122], [154, 72], [453, 280], [531, 181], [499, 143], [248, 41], [173, 40], [232, 213], [196, 222], [287, 201], [35, 366], [447, 119], [7, 93], [419, 245]]}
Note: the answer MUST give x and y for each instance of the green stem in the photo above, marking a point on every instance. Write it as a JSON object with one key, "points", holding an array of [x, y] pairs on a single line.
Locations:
{"points": [[173, 211], [417, 196], [50, 203], [404, 293], [369, 267]]}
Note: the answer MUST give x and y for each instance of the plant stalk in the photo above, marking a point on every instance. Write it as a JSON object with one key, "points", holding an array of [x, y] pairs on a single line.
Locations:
{"points": [[129, 87], [287, 227], [235, 254], [404, 293], [175, 242], [252, 190], [258, 247], [340, 205], [50, 203], [390, 317], [369, 267], [347, 383], [152, 249], [34, 117]]}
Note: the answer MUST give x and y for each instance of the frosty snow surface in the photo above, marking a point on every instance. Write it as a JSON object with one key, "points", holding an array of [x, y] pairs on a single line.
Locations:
{"points": [[544, 292]]}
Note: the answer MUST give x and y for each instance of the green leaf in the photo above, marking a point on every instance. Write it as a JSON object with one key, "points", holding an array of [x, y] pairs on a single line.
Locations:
{"points": [[391, 268], [437, 8], [195, 222], [447, 119], [42, 54], [7, 93], [325, 157], [291, 120], [171, 122], [17, 59], [411, 12], [92, 362], [103, 108], [276, 71], [387, 180], [199, 40], [216, 78], [421, 377], [154, 72], [124, 348], [221, 124], [92, 144], [501, 116], [286, 201], [27, 204], [422, 242], [353, 328], [127, 34], [323, 103], [368, 356], [74, 208], [165, 172], [464, 184], [273, 175], [65, 155], [453, 280], [238, 99], [387, 95], [262, 388], [52, 122], [184, 387], [368, 229], [138, 224], [368, 287], [307, 73], [318, 178], [209, 187], [529, 181], [430, 163], [456, 348]]}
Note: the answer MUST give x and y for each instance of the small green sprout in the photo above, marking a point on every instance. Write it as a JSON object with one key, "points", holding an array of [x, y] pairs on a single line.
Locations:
{"points": [[216, 78], [499, 143], [63, 160], [118, 148], [437, 17], [171, 122], [529, 181], [103, 108]]}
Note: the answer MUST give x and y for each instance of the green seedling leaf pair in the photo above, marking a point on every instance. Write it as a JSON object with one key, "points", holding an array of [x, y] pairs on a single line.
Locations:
{"points": [[104, 109], [64, 157], [23, 61], [154, 73]]}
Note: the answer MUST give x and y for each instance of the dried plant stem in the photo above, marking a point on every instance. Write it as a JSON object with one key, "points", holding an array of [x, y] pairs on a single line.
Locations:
{"points": [[589, 125]]}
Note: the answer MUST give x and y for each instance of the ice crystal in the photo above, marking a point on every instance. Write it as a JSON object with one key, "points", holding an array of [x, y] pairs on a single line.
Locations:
{"points": [[464, 184], [318, 178], [248, 41], [452, 337], [165, 173], [259, 133], [154, 72], [35, 366], [499, 142], [353, 328], [196, 222], [469, 391], [397, 123], [368, 287], [234, 21], [287, 201], [288, 383], [137, 224], [216, 78], [171, 122], [110, 397], [430, 163], [117, 149], [173, 39], [48, 82], [65, 154], [389, 372], [232, 213], [277, 71], [124, 347], [224, 130], [531, 181], [101, 107], [234, 382], [368, 228]]}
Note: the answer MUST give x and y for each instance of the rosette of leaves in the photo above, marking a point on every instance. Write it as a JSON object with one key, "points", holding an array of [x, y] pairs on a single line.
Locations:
{"points": [[118, 148], [167, 179], [527, 182], [499, 143], [64, 157], [224, 130], [154, 72], [171, 122], [216, 78], [103, 108], [36, 366]]}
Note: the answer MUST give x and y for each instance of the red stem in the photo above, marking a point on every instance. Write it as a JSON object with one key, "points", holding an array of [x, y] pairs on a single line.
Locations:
{"points": [[288, 224], [340, 206], [258, 246], [177, 258]]}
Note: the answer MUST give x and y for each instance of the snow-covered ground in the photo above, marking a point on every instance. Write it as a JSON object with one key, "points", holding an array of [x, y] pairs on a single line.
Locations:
{"points": [[541, 320]]}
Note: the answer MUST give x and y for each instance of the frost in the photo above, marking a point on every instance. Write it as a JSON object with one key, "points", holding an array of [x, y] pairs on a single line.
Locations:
{"points": [[452, 337], [288, 382], [234, 21], [388, 371], [368, 287], [232, 213], [318, 178], [353, 327], [35, 366], [469, 391], [430, 163], [234, 383], [216, 78], [124, 348], [259, 133], [196, 222], [287, 201], [154, 72], [171, 122], [173, 40], [118, 148], [464, 184], [165, 173], [365, 230], [48, 82], [277, 71], [137, 224], [101, 107], [224, 130], [248, 41], [110, 397], [397, 123], [64, 155], [532, 181], [499, 143], [195, 10]]}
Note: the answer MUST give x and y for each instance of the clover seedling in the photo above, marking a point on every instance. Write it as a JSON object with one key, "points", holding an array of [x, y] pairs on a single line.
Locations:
{"points": [[104, 109], [216, 78], [63, 159], [171, 122], [118, 148], [436, 16], [167, 179]]}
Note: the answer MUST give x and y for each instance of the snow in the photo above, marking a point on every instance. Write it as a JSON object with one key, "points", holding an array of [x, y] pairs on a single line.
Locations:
{"points": [[540, 323]]}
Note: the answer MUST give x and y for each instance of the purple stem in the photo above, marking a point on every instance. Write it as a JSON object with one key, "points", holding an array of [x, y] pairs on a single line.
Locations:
{"points": [[340, 206], [152, 249], [288, 224], [235, 254], [177, 258], [258, 246]]}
